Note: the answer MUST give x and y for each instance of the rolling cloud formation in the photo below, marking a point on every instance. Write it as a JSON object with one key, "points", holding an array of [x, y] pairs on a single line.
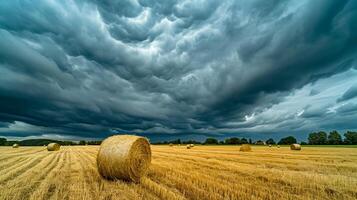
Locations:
{"points": [[173, 68]]}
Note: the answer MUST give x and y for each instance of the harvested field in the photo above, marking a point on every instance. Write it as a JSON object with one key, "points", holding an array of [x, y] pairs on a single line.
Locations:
{"points": [[203, 172]]}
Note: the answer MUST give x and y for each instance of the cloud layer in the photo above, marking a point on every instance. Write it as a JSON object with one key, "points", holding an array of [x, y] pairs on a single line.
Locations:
{"points": [[94, 68]]}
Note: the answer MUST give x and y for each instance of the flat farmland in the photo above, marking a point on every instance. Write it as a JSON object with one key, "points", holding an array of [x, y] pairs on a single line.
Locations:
{"points": [[204, 172]]}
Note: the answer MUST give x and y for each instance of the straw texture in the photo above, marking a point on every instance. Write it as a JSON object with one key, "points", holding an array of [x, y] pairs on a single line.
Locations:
{"points": [[125, 157], [53, 147], [245, 147], [295, 147]]}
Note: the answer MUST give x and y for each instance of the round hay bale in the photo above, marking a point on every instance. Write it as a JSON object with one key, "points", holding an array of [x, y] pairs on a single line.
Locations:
{"points": [[278, 146], [188, 146], [53, 147], [269, 145], [171, 144], [245, 147], [192, 145], [295, 147], [125, 157], [15, 146]]}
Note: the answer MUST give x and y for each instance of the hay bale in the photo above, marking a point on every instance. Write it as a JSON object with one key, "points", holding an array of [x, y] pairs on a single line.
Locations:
{"points": [[269, 145], [188, 146], [278, 146], [125, 157], [15, 146], [171, 144], [295, 147], [53, 147], [245, 147], [192, 145]]}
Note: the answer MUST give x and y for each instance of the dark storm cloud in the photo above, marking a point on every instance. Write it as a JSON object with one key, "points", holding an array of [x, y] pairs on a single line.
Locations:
{"points": [[314, 112], [349, 94], [93, 68], [347, 109]]}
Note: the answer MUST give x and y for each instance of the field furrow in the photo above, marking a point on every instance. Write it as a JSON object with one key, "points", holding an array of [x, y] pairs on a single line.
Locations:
{"points": [[204, 172], [48, 184], [29, 180], [5, 165], [28, 152], [20, 168]]}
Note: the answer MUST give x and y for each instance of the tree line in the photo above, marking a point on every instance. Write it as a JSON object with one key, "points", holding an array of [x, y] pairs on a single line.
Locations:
{"points": [[314, 138], [41, 142], [334, 138]]}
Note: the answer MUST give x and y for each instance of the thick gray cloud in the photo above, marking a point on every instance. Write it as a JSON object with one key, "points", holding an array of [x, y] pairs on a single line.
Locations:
{"points": [[94, 68], [349, 94]]}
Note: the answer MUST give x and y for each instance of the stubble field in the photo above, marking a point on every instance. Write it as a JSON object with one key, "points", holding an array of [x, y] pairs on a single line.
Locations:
{"points": [[204, 172]]}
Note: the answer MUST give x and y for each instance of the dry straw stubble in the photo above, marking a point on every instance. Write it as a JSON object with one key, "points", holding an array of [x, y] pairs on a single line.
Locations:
{"points": [[125, 157]]}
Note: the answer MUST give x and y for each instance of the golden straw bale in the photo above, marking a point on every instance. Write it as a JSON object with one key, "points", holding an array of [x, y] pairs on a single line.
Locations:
{"points": [[245, 147], [53, 147], [15, 146], [125, 157], [188, 146], [295, 147]]}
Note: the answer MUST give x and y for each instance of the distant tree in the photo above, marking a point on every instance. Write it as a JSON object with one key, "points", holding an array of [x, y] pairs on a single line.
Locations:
{"points": [[350, 137], [221, 142], [287, 140], [270, 141], [334, 138], [318, 138], [37, 142], [250, 141], [211, 141], [94, 142], [191, 142], [303, 143], [2, 141], [178, 141], [259, 142], [68, 143], [11, 142], [233, 140], [244, 141], [82, 142]]}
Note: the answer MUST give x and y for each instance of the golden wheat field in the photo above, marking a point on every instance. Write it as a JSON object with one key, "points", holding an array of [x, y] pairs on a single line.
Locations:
{"points": [[203, 172]]}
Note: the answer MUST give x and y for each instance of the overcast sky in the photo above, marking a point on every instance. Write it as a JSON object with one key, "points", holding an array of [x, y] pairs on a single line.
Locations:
{"points": [[167, 69]]}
